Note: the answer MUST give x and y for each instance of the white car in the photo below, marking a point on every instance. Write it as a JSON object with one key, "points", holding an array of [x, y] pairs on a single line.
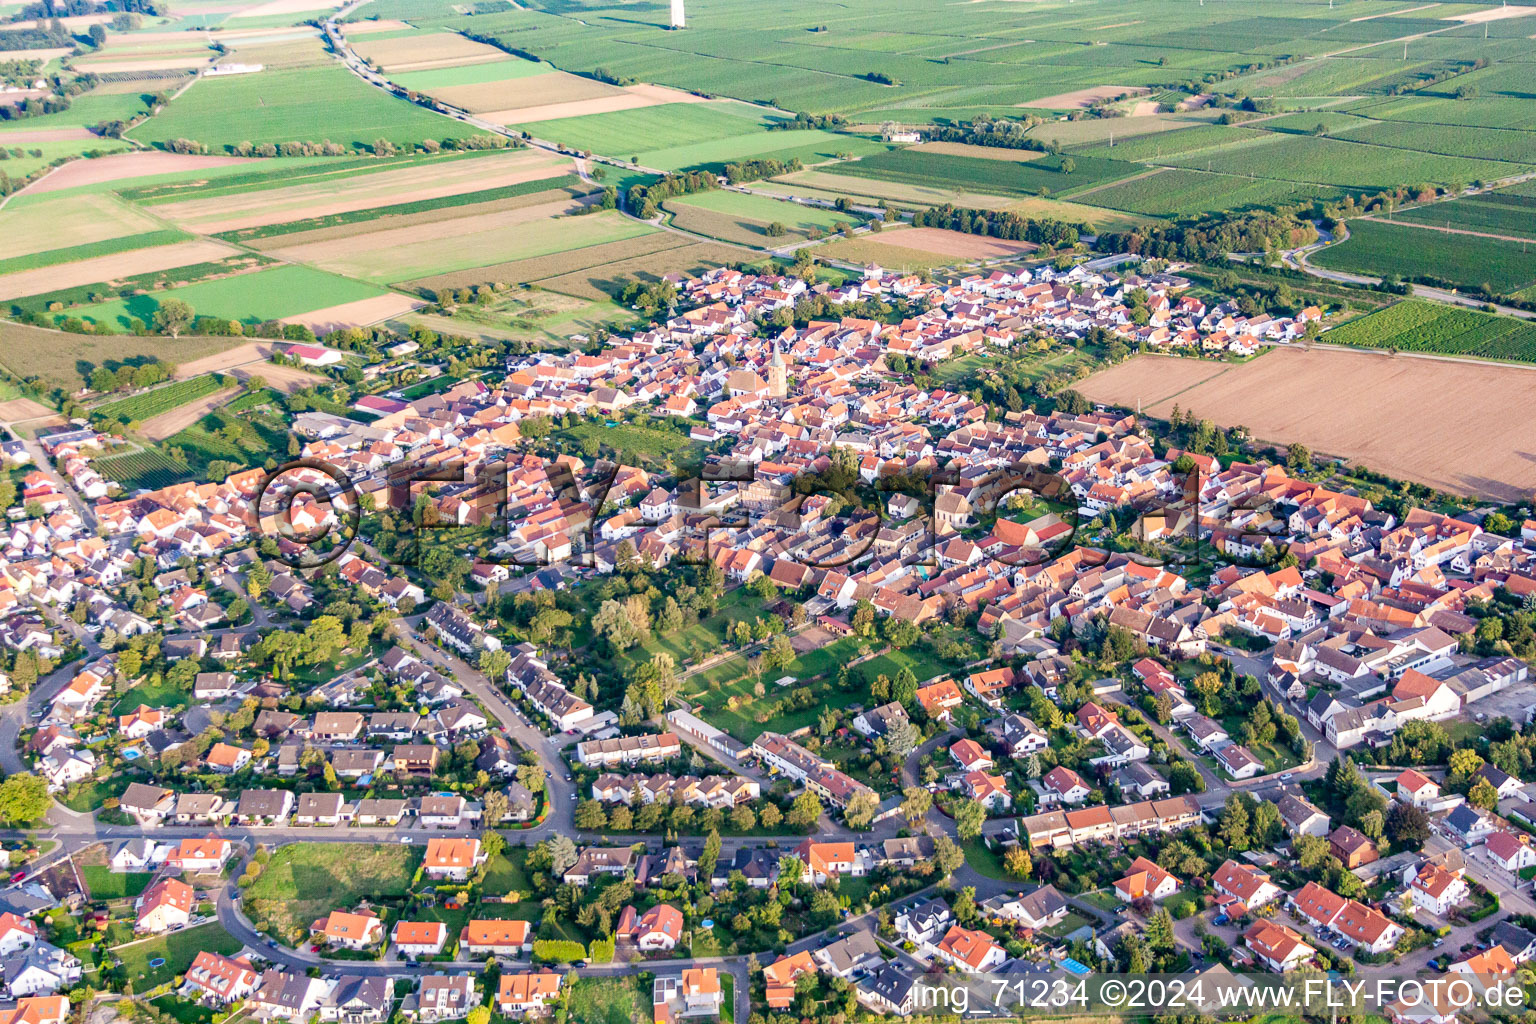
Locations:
{"points": [[407, 839]]}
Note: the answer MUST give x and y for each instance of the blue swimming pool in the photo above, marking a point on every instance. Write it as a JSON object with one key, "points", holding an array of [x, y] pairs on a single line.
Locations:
{"points": [[1073, 967]]}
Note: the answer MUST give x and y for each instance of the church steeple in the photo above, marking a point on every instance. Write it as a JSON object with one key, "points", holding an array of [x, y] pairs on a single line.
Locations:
{"points": [[778, 373]]}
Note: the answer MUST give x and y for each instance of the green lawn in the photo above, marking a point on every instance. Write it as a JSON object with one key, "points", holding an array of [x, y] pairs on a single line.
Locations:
{"points": [[304, 881], [609, 1000], [985, 861], [106, 884], [178, 949], [271, 294], [506, 873], [156, 695]]}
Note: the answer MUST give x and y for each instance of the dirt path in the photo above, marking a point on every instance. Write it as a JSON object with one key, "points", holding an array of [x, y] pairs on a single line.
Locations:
{"points": [[1446, 230], [173, 421]]}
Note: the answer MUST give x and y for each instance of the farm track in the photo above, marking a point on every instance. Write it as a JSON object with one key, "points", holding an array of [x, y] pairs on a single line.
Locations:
{"points": [[1447, 231]]}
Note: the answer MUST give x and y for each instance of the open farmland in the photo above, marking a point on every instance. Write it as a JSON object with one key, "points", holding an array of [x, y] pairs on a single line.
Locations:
{"points": [[269, 294], [887, 253], [1380, 248], [424, 50], [567, 261], [1431, 327], [1004, 177], [605, 280], [672, 136], [160, 400], [403, 254], [735, 217], [111, 268], [1315, 398], [350, 188], [66, 360], [1498, 213], [279, 106], [1178, 192]]}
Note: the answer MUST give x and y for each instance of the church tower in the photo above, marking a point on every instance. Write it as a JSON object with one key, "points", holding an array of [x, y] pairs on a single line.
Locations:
{"points": [[778, 374]]}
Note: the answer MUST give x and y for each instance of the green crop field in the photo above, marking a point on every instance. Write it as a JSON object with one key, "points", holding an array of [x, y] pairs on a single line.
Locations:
{"points": [[1328, 161], [1497, 213], [149, 469], [281, 106], [758, 209], [1417, 326], [469, 74], [90, 250], [626, 133], [159, 400], [251, 298], [377, 258], [490, 195], [1002, 177], [1178, 192], [1376, 247]]}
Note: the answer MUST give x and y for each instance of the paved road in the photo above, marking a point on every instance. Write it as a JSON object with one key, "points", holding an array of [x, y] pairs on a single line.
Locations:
{"points": [[1297, 259]]}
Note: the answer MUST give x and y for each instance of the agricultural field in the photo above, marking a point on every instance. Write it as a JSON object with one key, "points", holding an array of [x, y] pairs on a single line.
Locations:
{"points": [[891, 254], [349, 187], [1313, 397], [540, 268], [268, 294], [1431, 327], [1046, 174], [404, 254], [1178, 192], [735, 217], [67, 361], [160, 399], [673, 136], [1377, 247], [1504, 212], [279, 106]]}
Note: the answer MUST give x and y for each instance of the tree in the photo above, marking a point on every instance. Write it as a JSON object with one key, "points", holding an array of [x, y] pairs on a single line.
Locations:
{"points": [[1464, 764], [24, 799], [1407, 826], [902, 739], [1234, 823], [861, 809], [771, 816], [173, 317], [479, 1015], [969, 818], [965, 905], [562, 854], [1483, 795], [805, 810], [1160, 931], [590, 816], [1017, 862], [947, 856], [495, 802], [710, 855], [915, 802]]}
